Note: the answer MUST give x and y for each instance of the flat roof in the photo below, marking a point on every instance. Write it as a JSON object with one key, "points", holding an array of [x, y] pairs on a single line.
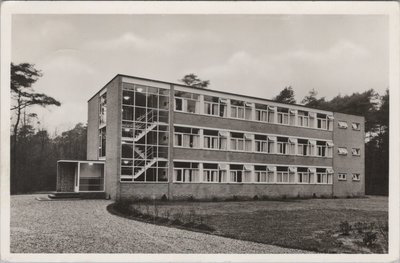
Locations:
{"points": [[216, 91], [81, 161]]}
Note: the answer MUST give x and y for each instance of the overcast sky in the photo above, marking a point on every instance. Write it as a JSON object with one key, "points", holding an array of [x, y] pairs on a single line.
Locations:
{"points": [[256, 55]]}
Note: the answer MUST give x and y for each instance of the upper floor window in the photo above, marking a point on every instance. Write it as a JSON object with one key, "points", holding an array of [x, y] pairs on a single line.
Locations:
{"points": [[186, 172], [187, 137], [186, 102], [241, 141], [128, 97], [322, 121], [356, 177], [264, 143], [342, 150], [356, 126], [103, 109], [102, 142], [215, 106], [303, 119], [241, 109], [214, 139], [342, 124], [285, 145], [324, 149], [264, 113], [283, 115], [356, 151], [305, 147], [342, 176]]}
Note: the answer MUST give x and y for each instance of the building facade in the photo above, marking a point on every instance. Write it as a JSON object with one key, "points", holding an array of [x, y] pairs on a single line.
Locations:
{"points": [[164, 139]]}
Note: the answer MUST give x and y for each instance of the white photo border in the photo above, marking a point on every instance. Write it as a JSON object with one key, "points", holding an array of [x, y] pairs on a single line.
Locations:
{"points": [[390, 9]]}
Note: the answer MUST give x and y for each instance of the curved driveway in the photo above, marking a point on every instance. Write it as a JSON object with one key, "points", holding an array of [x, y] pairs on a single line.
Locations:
{"points": [[85, 226]]}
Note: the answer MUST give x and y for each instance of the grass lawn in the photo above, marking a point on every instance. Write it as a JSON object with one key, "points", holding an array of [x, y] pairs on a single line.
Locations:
{"points": [[311, 224]]}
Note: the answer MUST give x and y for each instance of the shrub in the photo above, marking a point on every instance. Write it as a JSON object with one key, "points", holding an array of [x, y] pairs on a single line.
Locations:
{"points": [[360, 226], [369, 238], [235, 198], [164, 198], [255, 198], [384, 230], [345, 228], [155, 210]]}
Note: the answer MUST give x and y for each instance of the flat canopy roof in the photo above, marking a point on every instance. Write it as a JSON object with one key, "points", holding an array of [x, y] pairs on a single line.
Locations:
{"points": [[81, 161]]}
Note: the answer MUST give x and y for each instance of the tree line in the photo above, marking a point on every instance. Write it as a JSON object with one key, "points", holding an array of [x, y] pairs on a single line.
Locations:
{"points": [[34, 153]]}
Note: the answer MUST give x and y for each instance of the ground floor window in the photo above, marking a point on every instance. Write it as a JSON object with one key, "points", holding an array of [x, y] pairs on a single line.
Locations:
{"points": [[186, 172]]}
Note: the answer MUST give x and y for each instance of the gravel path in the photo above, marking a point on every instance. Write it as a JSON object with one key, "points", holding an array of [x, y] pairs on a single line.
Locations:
{"points": [[85, 226]]}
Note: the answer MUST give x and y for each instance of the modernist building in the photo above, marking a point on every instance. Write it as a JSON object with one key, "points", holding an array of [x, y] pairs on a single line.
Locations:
{"points": [[156, 138]]}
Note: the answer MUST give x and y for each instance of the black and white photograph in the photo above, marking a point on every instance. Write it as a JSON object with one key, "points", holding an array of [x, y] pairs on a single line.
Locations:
{"points": [[208, 131]]}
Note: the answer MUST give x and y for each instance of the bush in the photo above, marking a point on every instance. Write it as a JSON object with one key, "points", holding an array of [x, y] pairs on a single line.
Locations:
{"points": [[255, 198], [369, 238], [345, 228], [164, 198], [360, 226]]}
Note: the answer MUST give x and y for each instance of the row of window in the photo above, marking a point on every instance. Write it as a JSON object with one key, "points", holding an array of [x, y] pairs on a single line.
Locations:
{"points": [[230, 108], [235, 141], [193, 172], [354, 177]]}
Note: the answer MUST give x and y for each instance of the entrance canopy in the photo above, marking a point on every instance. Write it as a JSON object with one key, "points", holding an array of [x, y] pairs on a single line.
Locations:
{"points": [[80, 176]]}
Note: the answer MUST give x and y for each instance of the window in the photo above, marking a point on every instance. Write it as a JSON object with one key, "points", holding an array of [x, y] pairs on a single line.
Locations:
{"points": [[342, 176], [356, 177], [342, 150], [186, 102], [144, 133], [264, 174], [128, 97], [215, 106], [305, 147], [263, 144], [356, 126], [240, 173], [303, 175], [211, 173], [102, 142], [103, 109], [214, 139], [324, 149], [285, 145], [283, 115], [186, 172], [264, 113], [356, 151], [186, 137], [241, 142], [322, 121], [303, 119], [241, 109], [283, 175], [127, 130], [324, 176], [342, 124]]}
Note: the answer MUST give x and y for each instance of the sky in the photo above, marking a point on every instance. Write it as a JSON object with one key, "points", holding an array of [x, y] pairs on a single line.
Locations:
{"points": [[256, 55]]}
